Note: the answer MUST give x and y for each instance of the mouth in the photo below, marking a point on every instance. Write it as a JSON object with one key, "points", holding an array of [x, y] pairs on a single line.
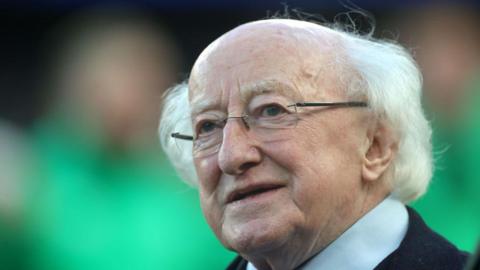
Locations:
{"points": [[251, 191]]}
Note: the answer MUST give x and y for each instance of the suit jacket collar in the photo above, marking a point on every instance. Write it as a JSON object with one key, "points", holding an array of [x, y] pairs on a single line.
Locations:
{"points": [[423, 248]]}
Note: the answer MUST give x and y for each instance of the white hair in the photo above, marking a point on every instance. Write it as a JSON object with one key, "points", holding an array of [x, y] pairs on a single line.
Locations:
{"points": [[391, 81], [175, 117]]}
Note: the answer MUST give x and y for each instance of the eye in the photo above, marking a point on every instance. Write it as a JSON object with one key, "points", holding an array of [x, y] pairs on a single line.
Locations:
{"points": [[206, 127], [272, 110]]}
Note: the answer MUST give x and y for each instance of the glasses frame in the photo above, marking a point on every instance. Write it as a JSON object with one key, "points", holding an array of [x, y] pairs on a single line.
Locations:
{"points": [[178, 135]]}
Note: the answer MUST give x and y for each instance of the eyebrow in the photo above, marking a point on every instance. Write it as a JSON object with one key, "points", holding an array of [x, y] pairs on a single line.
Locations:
{"points": [[201, 106], [247, 92]]}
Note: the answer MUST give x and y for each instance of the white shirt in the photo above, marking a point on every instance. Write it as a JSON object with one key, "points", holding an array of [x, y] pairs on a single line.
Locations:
{"points": [[367, 242]]}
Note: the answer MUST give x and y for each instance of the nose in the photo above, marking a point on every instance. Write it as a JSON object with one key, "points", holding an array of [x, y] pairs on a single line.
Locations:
{"points": [[238, 151]]}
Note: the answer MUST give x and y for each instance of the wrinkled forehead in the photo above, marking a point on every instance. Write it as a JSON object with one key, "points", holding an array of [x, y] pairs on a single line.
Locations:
{"points": [[264, 56], [204, 101]]}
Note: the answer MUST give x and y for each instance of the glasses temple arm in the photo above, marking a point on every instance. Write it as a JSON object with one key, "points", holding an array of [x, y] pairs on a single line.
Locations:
{"points": [[177, 135], [320, 104]]}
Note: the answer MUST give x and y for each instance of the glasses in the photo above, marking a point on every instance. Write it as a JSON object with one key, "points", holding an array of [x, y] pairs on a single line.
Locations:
{"points": [[267, 123]]}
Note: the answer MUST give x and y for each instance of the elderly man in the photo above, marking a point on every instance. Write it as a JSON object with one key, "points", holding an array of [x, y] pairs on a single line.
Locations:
{"points": [[306, 142]]}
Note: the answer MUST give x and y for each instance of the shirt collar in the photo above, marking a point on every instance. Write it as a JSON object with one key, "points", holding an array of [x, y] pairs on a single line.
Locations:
{"points": [[367, 242]]}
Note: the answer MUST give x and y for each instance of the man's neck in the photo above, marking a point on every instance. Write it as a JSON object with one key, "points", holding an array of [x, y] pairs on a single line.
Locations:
{"points": [[362, 246]]}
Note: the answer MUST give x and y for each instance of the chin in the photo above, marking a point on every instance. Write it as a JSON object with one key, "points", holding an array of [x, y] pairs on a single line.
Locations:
{"points": [[256, 236]]}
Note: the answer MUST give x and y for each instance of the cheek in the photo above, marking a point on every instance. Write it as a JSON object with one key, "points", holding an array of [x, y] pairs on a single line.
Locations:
{"points": [[212, 213], [324, 165], [320, 187], [208, 177], [208, 174], [332, 142]]}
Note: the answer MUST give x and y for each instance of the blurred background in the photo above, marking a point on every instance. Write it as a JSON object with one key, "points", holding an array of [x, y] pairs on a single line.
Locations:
{"points": [[83, 181]]}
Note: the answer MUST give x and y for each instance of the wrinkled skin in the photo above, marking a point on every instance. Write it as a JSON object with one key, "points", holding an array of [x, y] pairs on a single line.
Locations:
{"points": [[328, 171]]}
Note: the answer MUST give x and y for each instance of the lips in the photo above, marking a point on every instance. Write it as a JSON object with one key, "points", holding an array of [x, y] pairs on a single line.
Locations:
{"points": [[250, 191]]}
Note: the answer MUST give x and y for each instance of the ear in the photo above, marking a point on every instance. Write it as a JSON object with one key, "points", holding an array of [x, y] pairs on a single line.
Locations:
{"points": [[381, 150]]}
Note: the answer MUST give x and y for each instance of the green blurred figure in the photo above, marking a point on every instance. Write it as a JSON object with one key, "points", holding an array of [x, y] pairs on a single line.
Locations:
{"points": [[104, 196], [455, 187], [446, 41], [14, 163]]}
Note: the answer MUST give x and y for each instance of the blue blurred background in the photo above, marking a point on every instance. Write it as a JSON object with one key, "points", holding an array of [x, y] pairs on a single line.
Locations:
{"points": [[83, 181]]}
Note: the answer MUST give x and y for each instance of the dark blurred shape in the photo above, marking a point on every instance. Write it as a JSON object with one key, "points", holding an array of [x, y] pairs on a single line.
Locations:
{"points": [[446, 42], [104, 197], [474, 260], [109, 70], [207, 5]]}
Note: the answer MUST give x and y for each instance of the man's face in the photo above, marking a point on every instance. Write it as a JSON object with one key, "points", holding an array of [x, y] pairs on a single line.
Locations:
{"points": [[300, 191]]}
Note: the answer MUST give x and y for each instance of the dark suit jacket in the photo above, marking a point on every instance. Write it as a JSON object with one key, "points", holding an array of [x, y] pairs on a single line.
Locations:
{"points": [[421, 249]]}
